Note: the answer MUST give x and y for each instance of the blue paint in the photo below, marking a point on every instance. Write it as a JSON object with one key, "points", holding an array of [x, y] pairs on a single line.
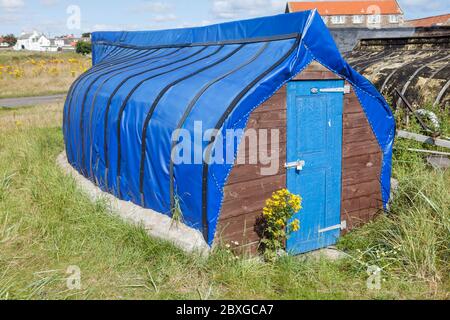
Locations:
{"points": [[315, 136]]}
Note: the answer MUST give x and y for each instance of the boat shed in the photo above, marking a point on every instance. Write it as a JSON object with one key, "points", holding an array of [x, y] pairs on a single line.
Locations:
{"points": [[128, 122]]}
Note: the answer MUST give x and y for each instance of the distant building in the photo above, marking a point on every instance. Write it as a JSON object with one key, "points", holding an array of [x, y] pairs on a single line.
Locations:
{"points": [[3, 44], [356, 14], [34, 41], [64, 43], [434, 21]]}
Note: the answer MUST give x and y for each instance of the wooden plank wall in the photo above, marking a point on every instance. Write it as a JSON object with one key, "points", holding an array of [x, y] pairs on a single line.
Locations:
{"points": [[247, 190], [361, 166]]}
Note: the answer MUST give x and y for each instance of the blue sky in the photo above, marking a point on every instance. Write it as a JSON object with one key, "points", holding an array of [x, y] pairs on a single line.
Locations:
{"points": [[51, 16]]}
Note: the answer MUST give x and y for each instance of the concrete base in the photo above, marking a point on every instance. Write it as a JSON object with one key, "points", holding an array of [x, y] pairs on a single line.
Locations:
{"points": [[330, 253], [156, 224]]}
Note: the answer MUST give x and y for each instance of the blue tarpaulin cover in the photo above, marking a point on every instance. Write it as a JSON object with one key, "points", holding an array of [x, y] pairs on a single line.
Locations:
{"points": [[119, 116]]}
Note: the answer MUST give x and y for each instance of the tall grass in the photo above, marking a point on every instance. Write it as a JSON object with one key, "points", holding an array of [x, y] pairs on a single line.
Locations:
{"points": [[413, 239], [47, 225]]}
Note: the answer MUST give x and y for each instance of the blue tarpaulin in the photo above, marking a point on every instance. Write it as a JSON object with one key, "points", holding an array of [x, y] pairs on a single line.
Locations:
{"points": [[119, 116]]}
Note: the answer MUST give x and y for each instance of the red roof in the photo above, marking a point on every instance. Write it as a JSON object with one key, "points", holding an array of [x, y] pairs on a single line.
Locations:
{"points": [[330, 8], [431, 21]]}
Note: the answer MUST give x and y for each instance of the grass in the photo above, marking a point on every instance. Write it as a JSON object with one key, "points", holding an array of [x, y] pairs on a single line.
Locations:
{"points": [[24, 74], [48, 225], [413, 239]]}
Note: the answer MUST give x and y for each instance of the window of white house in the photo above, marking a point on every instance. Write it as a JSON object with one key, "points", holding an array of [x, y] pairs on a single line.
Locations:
{"points": [[393, 18], [325, 19], [338, 19], [373, 19], [357, 19]]}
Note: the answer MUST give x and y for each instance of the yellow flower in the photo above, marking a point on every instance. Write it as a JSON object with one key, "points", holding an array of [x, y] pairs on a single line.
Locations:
{"points": [[267, 212], [295, 225]]}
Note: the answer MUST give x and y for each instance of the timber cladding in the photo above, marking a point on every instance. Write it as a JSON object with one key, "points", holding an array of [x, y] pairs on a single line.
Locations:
{"points": [[361, 166], [247, 189]]}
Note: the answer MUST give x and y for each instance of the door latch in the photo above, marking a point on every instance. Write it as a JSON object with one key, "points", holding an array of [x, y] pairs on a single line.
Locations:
{"points": [[298, 165], [345, 89], [341, 226]]}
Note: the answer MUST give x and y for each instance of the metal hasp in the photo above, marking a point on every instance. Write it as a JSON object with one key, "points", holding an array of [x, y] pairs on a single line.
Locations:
{"points": [[341, 226], [345, 89], [298, 165]]}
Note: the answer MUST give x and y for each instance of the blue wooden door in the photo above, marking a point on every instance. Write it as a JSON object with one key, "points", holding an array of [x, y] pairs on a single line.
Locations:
{"points": [[314, 158]]}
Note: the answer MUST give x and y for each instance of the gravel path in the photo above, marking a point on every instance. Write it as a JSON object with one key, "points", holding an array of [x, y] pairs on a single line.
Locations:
{"points": [[31, 101]]}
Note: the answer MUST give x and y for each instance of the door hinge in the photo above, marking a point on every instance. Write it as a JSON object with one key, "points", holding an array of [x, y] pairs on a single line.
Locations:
{"points": [[345, 89], [341, 226], [298, 165]]}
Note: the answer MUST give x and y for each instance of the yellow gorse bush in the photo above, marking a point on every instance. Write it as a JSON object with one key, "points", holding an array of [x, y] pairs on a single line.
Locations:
{"points": [[38, 67], [278, 220]]}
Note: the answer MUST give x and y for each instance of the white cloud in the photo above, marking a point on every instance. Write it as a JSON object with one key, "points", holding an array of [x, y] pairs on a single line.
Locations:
{"points": [[157, 11], [49, 3], [11, 5], [153, 7], [423, 3], [234, 9], [241, 9], [421, 7], [157, 7], [164, 17], [104, 27]]}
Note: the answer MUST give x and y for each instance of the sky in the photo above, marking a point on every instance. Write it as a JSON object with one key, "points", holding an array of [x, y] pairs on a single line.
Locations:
{"points": [[57, 17]]}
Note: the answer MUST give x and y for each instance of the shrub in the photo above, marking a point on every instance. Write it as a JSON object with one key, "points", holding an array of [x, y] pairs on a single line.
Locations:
{"points": [[278, 222], [84, 47]]}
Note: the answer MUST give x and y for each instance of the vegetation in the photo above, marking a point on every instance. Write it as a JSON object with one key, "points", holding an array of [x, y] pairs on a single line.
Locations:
{"points": [[33, 74], [48, 225], [83, 48], [413, 239], [278, 222]]}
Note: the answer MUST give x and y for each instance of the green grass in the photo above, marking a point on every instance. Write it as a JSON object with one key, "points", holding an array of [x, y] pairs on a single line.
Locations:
{"points": [[47, 225], [413, 239]]}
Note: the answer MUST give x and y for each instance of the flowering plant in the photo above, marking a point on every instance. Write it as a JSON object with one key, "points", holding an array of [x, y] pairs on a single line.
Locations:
{"points": [[278, 222]]}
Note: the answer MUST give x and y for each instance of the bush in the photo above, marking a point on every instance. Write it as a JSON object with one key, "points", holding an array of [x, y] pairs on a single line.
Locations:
{"points": [[278, 223], [84, 48]]}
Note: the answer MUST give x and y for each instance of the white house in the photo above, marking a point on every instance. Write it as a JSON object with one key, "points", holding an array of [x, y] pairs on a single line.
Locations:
{"points": [[34, 41], [38, 42], [64, 43]]}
